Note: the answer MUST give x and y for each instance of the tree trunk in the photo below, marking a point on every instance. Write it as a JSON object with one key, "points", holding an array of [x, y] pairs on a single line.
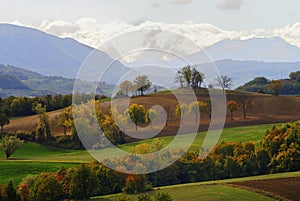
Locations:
{"points": [[136, 126], [65, 131], [231, 115], [245, 114], [2, 128]]}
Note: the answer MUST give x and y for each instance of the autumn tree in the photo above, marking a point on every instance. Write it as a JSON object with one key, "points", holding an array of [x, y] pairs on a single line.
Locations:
{"points": [[65, 119], [137, 114], [151, 114], [205, 106], [276, 86], [224, 82], [232, 107], [142, 83], [246, 105], [10, 144], [194, 109], [136, 184], [181, 110], [43, 128], [126, 87], [46, 187]]}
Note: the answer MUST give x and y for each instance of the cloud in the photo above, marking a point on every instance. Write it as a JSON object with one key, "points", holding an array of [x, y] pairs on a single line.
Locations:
{"points": [[93, 33], [180, 2], [230, 4]]}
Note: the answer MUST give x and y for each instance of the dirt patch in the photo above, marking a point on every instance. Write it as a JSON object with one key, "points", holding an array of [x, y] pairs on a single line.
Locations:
{"points": [[288, 188]]}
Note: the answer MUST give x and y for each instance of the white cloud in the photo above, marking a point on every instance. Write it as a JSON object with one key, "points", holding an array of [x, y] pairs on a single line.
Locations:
{"points": [[92, 32], [230, 4], [180, 2]]}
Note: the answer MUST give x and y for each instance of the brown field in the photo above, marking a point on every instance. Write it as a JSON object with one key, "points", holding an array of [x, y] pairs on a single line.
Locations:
{"points": [[287, 188], [267, 109]]}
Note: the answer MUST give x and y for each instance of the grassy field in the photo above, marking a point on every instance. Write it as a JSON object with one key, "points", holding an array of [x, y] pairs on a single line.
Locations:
{"points": [[32, 158], [212, 190]]}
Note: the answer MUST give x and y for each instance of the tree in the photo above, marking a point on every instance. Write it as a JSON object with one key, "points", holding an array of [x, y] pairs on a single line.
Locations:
{"points": [[65, 119], [232, 106], [196, 78], [181, 109], [224, 82], [179, 78], [189, 77], [194, 109], [83, 183], [136, 184], [137, 114], [10, 144], [246, 105], [151, 115], [126, 87], [295, 76], [4, 120], [10, 193], [142, 83], [43, 128], [205, 106], [46, 187], [276, 86]]}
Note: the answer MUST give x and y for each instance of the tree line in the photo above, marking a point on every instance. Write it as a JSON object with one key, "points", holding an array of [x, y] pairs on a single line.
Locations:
{"points": [[279, 152]]}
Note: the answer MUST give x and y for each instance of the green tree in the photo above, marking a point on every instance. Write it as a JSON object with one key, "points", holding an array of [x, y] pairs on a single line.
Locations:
{"points": [[151, 114], [65, 119], [83, 183], [4, 120], [276, 86], [224, 82], [46, 187], [142, 83], [232, 107], [136, 184], [295, 76], [162, 197], [43, 128], [10, 193], [10, 144], [126, 87], [137, 114], [196, 78]]}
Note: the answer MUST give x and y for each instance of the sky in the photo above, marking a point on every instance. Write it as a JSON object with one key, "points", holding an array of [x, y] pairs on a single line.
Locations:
{"points": [[206, 22], [226, 14]]}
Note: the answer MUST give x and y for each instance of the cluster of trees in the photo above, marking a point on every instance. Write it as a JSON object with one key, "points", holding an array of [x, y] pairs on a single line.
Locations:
{"points": [[139, 86], [189, 76], [279, 152], [284, 86]]}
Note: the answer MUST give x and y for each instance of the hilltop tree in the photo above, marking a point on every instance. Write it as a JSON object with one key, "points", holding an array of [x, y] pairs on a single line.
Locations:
{"points": [[151, 115], [4, 120], [276, 86], [189, 77], [137, 114], [142, 83], [232, 106], [126, 87], [10, 144], [224, 82]]}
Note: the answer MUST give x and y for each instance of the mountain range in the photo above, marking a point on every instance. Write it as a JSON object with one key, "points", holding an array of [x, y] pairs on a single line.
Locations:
{"points": [[46, 62]]}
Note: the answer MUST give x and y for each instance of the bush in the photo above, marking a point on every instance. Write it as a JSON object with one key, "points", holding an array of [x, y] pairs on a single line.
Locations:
{"points": [[162, 197]]}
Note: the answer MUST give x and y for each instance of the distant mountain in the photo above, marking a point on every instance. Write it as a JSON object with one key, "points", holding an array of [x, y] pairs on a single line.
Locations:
{"points": [[46, 54], [256, 49]]}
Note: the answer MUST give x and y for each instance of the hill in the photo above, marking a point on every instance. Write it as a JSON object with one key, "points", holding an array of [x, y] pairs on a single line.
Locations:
{"points": [[20, 82], [266, 109], [290, 86]]}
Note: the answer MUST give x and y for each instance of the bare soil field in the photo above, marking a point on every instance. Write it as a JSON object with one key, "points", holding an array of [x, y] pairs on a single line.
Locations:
{"points": [[288, 188], [266, 109]]}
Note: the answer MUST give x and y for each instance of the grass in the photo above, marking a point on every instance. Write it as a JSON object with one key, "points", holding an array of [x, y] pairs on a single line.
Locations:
{"points": [[16, 171], [32, 158], [211, 190]]}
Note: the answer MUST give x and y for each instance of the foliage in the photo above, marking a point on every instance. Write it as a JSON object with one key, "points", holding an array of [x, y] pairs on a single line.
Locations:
{"points": [[136, 184], [189, 76], [46, 187], [10, 193], [162, 197], [65, 119], [142, 83], [126, 88], [151, 114], [43, 129], [4, 120], [275, 86], [137, 114], [10, 144], [232, 106]]}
